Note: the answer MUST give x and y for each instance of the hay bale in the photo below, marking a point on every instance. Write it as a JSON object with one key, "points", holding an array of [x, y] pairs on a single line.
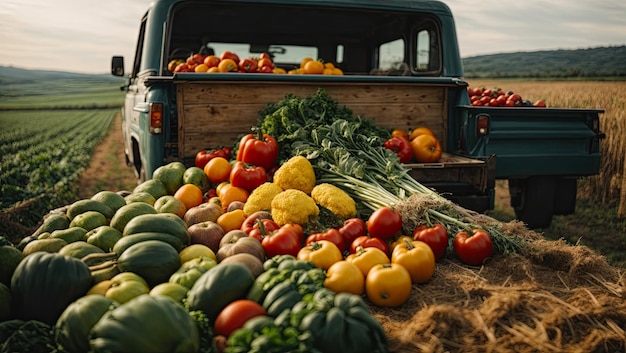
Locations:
{"points": [[553, 297]]}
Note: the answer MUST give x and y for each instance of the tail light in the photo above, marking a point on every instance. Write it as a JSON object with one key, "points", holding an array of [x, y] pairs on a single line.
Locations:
{"points": [[482, 125], [156, 118]]}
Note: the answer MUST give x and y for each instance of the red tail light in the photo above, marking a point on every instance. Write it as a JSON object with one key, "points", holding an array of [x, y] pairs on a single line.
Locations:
{"points": [[482, 125], [156, 118]]}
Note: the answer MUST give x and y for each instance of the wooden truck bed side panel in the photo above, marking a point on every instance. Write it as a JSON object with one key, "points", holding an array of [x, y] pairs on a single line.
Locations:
{"points": [[212, 114]]}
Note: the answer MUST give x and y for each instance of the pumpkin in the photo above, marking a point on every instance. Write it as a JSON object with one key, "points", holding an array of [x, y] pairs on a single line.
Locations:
{"points": [[218, 287], [146, 323], [44, 284], [154, 260], [73, 326]]}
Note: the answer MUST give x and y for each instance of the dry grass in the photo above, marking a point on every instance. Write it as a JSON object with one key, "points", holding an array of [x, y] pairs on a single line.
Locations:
{"points": [[609, 96]]}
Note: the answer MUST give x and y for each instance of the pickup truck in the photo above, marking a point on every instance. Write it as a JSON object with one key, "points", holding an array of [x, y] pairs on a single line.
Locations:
{"points": [[401, 67]]}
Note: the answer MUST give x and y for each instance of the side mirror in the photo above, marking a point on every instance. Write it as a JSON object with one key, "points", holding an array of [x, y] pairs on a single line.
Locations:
{"points": [[117, 66]]}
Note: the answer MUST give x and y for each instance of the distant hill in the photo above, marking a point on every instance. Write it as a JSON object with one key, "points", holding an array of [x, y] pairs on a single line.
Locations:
{"points": [[12, 74], [38, 89], [579, 63]]}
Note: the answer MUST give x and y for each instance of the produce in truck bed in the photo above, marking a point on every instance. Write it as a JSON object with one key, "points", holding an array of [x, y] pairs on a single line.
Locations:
{"points": [[348, 152]]}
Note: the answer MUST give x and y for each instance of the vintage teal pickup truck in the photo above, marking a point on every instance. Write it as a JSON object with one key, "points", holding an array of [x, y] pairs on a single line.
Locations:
{"points": [[402, 68]]}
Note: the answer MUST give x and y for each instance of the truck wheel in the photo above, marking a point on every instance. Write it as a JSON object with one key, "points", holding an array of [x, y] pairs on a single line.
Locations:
{"points": [[565, 196], [534, 202]]}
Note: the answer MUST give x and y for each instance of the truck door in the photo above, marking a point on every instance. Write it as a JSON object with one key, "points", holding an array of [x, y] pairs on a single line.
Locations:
{"points": [[135, 96]]}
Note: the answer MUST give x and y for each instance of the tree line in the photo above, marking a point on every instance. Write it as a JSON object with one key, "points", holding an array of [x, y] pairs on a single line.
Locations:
{"points": [[602, 62]]}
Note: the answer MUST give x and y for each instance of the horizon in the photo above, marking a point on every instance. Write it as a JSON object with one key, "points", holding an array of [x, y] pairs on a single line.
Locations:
{"points": [[466, 57]]}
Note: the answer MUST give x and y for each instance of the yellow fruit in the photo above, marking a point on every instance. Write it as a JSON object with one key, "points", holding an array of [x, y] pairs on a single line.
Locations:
{"points": [[194, 251], [172, 290]]}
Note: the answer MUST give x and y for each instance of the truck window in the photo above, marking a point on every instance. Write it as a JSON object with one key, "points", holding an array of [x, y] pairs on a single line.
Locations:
{"points": [[391, 55], [425, 61], [427, 51], [360, 41], [139, 49]]}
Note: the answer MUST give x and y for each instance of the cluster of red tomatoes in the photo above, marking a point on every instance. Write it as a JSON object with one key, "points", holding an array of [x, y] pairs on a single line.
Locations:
{"points": [[226, 62], [499, 98]]}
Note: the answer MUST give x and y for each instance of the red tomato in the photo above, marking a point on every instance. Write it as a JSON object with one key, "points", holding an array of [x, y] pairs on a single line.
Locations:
{"points": [[515, 98], [369, 242], [501, 100], [265, 62], [196, 59], [475, 249], [229, 55], [436, 237], [235, 315], [540, 103], [204, 156], [332, 235], [351, 229], [286, 240], [261, 228], [248, 65], [384, 223]]}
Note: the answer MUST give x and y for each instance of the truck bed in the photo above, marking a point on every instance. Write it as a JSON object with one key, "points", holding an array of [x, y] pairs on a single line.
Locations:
{"points": [[216, 112]]}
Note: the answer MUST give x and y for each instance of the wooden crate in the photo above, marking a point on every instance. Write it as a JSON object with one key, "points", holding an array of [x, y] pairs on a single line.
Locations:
{"points": [[215, 113]]}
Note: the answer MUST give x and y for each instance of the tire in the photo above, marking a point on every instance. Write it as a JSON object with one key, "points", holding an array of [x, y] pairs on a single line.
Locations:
{"points": [[565, 196], [535, 201]]}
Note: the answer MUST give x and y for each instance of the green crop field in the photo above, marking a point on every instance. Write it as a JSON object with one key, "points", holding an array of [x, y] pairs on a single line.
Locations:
{"points": [[49, 129], [43, 153]]}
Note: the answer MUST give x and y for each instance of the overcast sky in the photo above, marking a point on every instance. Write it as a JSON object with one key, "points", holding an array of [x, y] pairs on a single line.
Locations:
{"points": [[82, 35]]}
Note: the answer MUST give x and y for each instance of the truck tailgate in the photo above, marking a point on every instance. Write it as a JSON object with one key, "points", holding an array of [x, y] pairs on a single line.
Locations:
{"points": [[535, 141]]}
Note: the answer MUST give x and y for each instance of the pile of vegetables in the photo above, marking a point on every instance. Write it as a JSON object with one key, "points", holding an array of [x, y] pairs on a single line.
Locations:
{"points": [[228, 61], [279, 244], [349, 152], [497, 97]]}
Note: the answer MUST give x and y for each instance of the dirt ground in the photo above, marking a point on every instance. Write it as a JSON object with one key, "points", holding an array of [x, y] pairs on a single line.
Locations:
{"points": [[108, 169], [551, 297]]}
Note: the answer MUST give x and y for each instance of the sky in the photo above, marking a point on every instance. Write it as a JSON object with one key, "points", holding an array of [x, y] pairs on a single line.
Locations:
{"points": [[82, 35]]}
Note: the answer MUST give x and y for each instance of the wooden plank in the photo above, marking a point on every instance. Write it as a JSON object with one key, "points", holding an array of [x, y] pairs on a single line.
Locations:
{"points": [[217, 114], [264, 92]]}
